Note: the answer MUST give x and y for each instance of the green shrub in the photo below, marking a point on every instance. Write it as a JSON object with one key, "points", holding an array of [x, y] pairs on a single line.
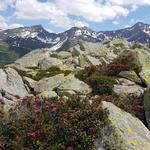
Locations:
{"points": [[101, 84], [58, 124]]}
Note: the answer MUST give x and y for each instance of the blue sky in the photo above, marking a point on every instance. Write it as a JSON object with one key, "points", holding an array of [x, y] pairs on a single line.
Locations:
{"points": [[60, 15]]}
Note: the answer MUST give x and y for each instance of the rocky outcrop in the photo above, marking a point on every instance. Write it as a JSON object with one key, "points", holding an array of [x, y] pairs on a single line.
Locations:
{"points": [[122, 131], [50, 62], [52, 74], [62, 84]]}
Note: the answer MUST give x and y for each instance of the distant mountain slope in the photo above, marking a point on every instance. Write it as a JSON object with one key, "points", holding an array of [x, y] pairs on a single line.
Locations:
{"points": [[7, 55], [140, 32], [25, 39]]}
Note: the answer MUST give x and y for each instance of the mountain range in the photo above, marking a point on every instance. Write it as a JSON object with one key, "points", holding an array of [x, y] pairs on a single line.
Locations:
{"points": [[15, 43]]}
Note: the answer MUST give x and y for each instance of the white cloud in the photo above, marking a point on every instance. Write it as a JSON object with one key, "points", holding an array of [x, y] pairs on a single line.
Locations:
{"points": [[4, 25], [5, 3], [81, 24], [32, 9], [134, 7], [91, 10], [115, 22], [59, 11], [130, 2]]}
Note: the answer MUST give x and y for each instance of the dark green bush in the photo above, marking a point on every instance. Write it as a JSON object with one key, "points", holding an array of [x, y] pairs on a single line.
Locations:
{"points": [[101, 84], [71, 124]]}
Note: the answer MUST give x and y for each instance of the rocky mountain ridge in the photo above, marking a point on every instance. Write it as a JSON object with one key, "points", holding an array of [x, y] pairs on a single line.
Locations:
{"points": [[25, 39]]}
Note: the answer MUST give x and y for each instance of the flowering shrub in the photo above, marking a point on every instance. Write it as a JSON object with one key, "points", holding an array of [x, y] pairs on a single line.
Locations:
{"points": [[126, 61], [71, 124]]}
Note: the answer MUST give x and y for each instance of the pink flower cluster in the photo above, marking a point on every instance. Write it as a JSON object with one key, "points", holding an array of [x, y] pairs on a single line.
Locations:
{"points": [[2, 145], [92, 130], [70, 148], [36, 109], [39, 101], [17, 138], [138, 107], [54, 110], [33, 134], [39, 105]]}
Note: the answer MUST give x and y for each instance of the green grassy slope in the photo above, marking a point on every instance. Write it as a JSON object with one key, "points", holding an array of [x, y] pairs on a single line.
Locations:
{"points": [[6, 55]]}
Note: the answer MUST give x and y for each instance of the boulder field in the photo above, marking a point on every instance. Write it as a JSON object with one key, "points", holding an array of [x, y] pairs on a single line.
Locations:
{"points": [[48, 74]]}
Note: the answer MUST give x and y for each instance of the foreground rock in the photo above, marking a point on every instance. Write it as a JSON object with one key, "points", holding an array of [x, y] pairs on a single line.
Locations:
{"points": [[131, 75], [122, 131], [147, 106], [12, 89], [145, 76], [12, 83]]}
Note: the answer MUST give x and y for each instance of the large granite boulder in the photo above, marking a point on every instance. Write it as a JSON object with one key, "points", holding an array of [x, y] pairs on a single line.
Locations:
{"points": [[49, 84], [12, 89], [32, 59], [86, 60], [12, 82], [145, 76], [50, 62], [75, 85], [130, 75], [83, 62], [122, 131]]}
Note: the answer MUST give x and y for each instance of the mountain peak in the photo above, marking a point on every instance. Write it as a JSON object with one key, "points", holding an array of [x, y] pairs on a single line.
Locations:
{"points": [[140, 24], [80, 28], [37, 27]]}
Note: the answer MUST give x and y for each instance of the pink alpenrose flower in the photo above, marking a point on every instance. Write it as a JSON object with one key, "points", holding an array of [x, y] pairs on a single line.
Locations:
{"points": [[70, 148], [54, 110], [17, 138], [38, 111]]}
